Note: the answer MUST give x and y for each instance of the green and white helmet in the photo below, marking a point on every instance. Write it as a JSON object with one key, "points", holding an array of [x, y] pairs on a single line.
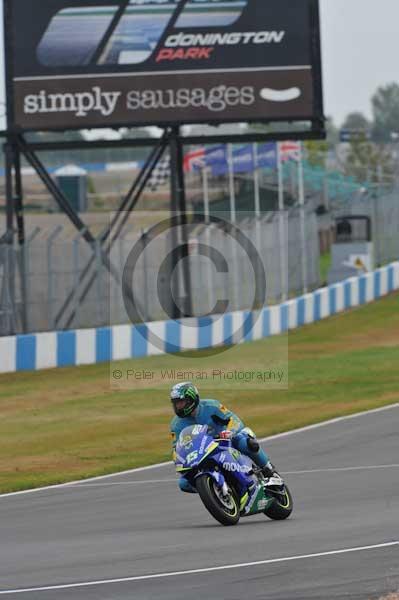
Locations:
{"points": [[184, 391]]}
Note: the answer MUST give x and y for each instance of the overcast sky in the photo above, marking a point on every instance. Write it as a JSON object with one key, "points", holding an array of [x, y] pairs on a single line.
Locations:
{"points": [[360, 46]]}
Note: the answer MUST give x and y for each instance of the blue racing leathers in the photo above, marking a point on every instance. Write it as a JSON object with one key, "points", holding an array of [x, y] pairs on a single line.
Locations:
{"points": [[218, 418]]}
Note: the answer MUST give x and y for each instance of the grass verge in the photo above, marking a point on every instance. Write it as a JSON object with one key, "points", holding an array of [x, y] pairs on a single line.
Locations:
{"points": [[65, 424]]}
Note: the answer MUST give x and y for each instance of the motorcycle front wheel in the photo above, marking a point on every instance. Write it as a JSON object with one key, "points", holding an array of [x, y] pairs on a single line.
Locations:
{"points": [[281, 507], [224, 509]]}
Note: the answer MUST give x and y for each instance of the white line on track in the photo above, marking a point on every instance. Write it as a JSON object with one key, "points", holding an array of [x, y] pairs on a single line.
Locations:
{"points": [[136, 482], [268, 561], [168, 463]]}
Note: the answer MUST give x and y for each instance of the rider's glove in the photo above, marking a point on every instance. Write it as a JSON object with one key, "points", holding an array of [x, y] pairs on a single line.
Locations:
{"points": [[225, 435]]}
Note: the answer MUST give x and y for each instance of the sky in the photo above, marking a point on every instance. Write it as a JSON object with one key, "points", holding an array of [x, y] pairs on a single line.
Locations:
{"points": [[360, 49]]}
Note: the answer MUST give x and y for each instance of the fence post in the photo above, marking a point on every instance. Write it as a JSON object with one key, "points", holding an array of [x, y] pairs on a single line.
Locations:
{"points": [[205, 186], [76, 261], [326, 198], [6, 300], [50, 286], [256, 180], [257, 212], [26, 254], [121, 252], [232, 192], [145, 270], [99, 299], [376, 230], [302, 215]]}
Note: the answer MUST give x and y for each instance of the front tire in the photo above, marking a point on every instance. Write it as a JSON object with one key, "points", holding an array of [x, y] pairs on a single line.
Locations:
{"points": [[228, 512], [281, 507]]}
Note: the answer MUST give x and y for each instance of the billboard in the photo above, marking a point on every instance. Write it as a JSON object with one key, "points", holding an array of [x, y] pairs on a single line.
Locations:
{"points": [[107, 63]]}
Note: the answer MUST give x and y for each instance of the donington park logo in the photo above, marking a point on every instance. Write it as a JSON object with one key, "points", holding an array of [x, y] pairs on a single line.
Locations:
{"points": [[104, 35]]}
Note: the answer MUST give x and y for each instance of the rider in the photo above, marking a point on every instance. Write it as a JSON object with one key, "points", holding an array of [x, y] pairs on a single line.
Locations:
{"points": [[190, 410]]}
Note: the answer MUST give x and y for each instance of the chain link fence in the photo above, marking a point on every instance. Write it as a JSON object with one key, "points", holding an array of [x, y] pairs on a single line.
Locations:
{"points": [[47, 284]]}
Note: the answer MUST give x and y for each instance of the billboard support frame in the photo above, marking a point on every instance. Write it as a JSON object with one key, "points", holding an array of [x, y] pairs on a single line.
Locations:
{"points": [[16, 208], [9, 188], [13, 147], [178, 207], [127, 206], [9, 270], [316, 55], [14, 216]]}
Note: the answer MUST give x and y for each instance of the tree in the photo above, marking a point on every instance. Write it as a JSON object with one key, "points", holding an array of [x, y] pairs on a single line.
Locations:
{"points": [[356, 120], [367, 161], [317, 150], [385, 103]]}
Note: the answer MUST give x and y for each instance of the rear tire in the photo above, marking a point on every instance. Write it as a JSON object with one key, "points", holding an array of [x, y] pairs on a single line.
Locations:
{"points": [[281, 507], [206, 489]]}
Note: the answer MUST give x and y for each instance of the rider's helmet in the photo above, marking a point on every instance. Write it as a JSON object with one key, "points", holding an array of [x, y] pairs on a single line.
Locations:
{"points": [[185, 398]]}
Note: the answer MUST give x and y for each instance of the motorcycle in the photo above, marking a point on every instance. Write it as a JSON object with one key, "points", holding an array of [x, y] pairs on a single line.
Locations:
{"points": [[229, 484]]}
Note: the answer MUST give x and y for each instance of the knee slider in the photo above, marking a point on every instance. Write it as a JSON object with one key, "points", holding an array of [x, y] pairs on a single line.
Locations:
{"points": [[253, 444]]}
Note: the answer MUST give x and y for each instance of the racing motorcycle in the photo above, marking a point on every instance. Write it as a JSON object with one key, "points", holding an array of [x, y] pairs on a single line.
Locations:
{"points": [[230, 485]]}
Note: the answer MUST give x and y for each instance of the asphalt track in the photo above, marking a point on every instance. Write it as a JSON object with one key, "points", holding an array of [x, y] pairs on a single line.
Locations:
{"points": [[341, 542]]}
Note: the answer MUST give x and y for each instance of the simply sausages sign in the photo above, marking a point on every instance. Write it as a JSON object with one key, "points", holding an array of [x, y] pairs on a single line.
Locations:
{"points": [[80, 64]]}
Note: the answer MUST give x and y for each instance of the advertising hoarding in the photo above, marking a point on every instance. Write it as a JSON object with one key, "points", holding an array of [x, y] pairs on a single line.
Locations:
{"points": [[82, 64]]}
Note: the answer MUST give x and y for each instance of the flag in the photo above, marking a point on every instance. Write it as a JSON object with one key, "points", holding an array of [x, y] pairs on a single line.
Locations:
{"points": [[214, 157], [194, 160], [160, 175], [243, 159], [290, 151], [267, 155]]}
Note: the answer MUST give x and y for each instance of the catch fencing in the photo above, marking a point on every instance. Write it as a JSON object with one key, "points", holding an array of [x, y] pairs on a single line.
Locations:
{"points": [[43, 283]]}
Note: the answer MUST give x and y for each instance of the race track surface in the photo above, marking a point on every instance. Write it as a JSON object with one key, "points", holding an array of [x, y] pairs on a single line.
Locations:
{"points": [[139, 524]]}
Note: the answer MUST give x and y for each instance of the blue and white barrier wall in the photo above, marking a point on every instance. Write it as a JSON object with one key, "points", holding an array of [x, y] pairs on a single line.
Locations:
{"points": [[90, 346]]}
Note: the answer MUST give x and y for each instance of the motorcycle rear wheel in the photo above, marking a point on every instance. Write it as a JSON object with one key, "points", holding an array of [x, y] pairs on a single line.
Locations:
{"points": [[281, 507], [227, 513]]}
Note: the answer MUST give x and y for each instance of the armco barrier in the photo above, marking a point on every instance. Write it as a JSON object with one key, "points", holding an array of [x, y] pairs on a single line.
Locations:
{"points": [[89, 346]]}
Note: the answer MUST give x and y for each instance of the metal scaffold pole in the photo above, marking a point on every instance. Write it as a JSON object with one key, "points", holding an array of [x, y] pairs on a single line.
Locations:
{"points": [[181, 281], [7, 293]]}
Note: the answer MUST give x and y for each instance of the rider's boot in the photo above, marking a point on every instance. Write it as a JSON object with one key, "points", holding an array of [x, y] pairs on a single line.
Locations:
{"points": [[271, 475], [268, 470]]}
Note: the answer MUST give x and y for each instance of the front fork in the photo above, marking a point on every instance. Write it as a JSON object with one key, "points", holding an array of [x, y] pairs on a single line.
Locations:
{"points": [[219, 479]]}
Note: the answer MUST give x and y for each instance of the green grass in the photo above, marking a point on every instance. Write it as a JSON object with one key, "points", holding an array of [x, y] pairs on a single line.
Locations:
{"points": [[65, 424]]}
